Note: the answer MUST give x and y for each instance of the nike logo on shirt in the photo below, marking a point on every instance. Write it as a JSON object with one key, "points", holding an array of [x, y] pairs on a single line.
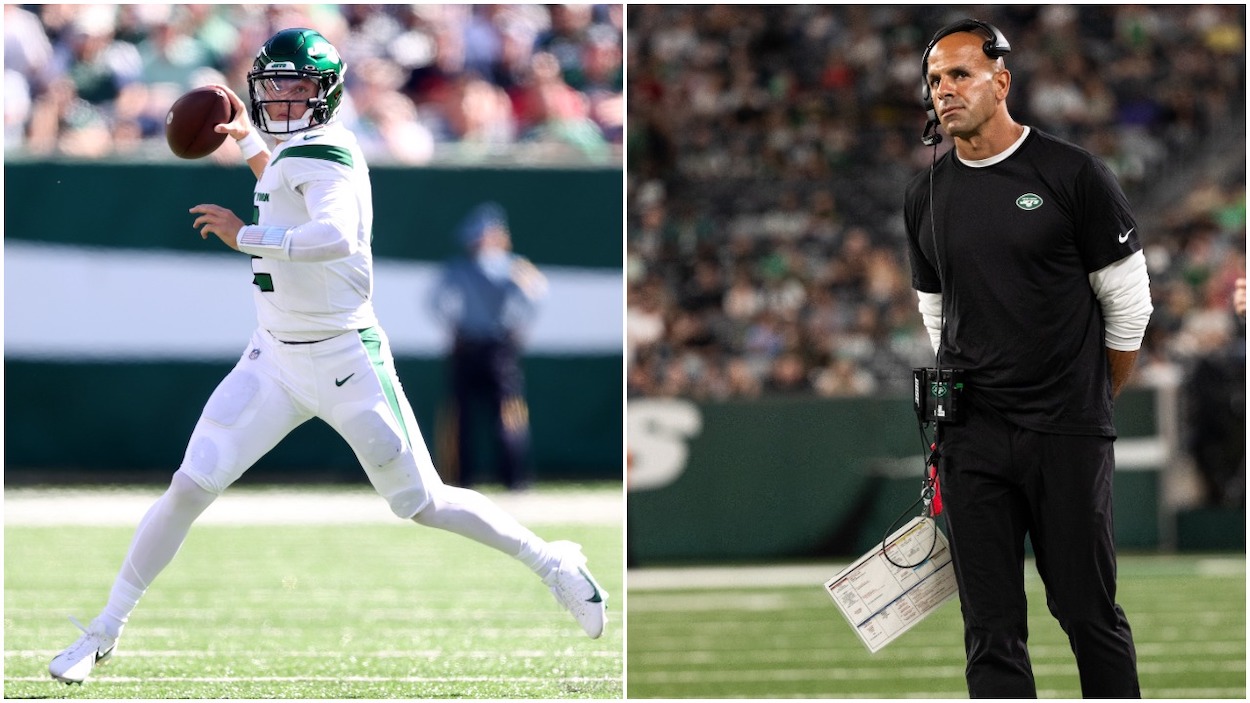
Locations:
{"points": [[340, 383], [1124, 237]]}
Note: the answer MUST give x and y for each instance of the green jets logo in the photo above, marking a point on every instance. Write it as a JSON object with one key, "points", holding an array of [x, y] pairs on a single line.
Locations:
{"points": [[1029, 201]]}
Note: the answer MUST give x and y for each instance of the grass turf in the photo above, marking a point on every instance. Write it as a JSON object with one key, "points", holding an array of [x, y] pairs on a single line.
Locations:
{"points": [[342, 611], [745, 641]]}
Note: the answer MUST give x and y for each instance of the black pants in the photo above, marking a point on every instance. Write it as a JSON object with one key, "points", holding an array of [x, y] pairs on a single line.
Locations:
{"points": [[487, 378], [999, 483]]}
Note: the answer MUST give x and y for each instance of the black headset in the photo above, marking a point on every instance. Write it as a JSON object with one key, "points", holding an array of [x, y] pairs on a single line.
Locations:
{"points": [[995, 45]]}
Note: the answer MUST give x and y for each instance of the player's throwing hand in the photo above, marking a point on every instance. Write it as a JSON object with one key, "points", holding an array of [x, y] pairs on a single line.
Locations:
{"points": [[215, 219], [240, 126]]}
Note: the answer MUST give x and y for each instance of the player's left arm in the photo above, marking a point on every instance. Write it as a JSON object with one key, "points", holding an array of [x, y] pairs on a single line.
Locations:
{"points": [[218, 221], [1123, 291], [332, 232], [1111, 248]]}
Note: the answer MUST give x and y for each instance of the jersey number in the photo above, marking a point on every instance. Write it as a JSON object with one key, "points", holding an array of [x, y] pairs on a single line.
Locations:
{"points": [[264, 282]]}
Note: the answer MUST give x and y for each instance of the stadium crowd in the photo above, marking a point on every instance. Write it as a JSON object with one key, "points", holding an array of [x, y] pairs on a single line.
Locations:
{"points": [[423, 81], [768, 152]]}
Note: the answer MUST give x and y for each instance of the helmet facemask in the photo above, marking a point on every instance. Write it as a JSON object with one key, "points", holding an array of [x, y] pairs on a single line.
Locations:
{"points": [[276, 79], [285, 87]]}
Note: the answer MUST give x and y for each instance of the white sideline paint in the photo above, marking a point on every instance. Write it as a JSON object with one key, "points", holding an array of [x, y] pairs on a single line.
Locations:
{"points": [[106, 679], [414, 654], [777, 576], [703, 577], [243, 506]]}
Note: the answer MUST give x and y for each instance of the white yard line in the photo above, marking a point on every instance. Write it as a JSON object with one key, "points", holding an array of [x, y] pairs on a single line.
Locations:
{"points": [[731, 577], [104, 679], [414, 654], [294, 506], [718, 577]]}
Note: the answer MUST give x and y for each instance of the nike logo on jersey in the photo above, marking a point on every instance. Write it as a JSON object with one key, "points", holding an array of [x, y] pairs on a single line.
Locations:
{"points": [[1124, 237], [339, 383]]}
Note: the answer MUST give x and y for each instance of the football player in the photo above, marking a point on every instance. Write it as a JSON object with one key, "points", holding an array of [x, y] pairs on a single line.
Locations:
{"points": [[318, 350]]}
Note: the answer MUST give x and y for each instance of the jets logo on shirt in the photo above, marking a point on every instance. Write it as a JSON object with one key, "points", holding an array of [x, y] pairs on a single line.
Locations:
{"points": [[1029, 201]]}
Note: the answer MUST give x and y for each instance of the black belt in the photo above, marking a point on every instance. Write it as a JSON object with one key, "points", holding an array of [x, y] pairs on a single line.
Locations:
{"points": [[315, 341]]}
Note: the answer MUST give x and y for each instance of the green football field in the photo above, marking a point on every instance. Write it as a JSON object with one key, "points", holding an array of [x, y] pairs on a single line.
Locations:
{"points": [[775, 633], [375, 609]]}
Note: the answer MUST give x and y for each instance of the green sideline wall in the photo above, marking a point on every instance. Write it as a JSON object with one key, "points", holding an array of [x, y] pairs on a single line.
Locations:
{"points": [[788, 478], [109, 419]]}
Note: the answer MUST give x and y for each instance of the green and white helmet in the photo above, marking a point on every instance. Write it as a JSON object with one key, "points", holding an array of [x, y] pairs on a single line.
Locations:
{"points": [[288, 57]]}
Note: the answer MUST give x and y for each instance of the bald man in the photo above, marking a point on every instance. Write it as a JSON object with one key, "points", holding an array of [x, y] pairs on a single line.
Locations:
{"points": [[1027, 264]]}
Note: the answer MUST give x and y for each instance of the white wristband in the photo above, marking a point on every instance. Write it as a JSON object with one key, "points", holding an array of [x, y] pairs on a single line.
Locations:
{"points": [[251, 145]]}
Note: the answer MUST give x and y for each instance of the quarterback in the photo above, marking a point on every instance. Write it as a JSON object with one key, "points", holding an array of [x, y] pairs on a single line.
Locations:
{"points": [[318, 350]]}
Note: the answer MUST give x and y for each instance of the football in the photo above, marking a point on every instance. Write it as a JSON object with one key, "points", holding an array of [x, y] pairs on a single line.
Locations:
{"points": [[189, 124]]}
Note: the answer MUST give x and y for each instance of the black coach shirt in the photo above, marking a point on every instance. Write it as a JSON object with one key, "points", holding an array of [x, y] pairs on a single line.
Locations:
{"points": [[1015, 244]]}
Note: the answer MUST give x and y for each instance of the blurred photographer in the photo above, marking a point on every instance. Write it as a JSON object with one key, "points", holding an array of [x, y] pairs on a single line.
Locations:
{"points": [[488, 298]]}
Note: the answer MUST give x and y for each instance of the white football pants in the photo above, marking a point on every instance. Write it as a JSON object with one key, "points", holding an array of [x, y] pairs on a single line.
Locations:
{"points": [[348, 381]]}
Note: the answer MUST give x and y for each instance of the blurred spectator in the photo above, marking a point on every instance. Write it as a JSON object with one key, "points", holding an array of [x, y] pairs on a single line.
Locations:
{"points": [[788, 375], [170, 54], [604, 81], [1214, 403], [843, 377], [473, 111], [557, 115], [565, 40], [17, 108], [95, 61], [62, 121], [27, 48], [424, 82], [385, 120]]}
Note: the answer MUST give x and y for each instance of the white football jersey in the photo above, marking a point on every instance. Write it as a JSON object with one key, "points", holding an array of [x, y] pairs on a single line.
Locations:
{"points": [[318, 183]]}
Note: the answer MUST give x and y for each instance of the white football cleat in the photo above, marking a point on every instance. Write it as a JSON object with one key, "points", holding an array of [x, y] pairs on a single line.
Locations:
{"points": [[75, 664], [576, 590]]}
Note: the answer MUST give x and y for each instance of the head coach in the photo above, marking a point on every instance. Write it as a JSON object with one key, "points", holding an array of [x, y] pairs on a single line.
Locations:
{"points": [[1028, 266]]}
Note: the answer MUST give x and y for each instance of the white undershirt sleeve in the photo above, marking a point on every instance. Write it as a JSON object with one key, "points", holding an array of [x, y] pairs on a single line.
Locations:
{"points": [[1123, 290], [931, 313]]}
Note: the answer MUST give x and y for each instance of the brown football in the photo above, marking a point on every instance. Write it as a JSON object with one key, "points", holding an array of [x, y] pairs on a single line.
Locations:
{"points": [[189, 125]]}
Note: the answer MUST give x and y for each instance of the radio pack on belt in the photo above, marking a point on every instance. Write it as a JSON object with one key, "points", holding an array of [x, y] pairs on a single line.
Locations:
{"points": [[936, 393]]}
